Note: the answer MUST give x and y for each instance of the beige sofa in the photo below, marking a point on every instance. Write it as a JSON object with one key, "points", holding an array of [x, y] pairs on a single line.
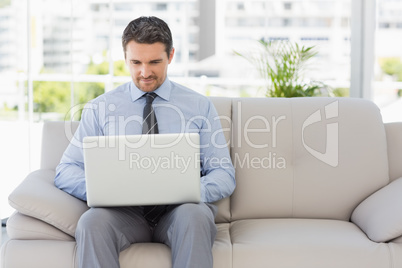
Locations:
{"points": [[318, 185]]}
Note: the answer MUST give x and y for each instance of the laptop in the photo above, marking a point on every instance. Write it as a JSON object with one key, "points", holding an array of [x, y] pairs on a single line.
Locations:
{"points": [[137, 170]]}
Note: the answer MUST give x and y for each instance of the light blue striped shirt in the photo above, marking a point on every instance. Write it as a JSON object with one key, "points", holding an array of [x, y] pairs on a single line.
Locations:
{"points": [[177, 108]]}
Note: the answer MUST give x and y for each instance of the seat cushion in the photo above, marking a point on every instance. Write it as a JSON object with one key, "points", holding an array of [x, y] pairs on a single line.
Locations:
{"points": [[159, 255], [222, 249], [62, 254], [38, 254], [306, 243], [146, 255]]}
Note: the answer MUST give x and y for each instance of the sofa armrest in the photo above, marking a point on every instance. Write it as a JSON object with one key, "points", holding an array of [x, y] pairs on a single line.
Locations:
{"points": [[37, 197], [380, 215]]}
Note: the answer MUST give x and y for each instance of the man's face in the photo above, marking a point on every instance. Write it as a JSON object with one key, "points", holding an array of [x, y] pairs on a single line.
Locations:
{"points": [[147, 64]]}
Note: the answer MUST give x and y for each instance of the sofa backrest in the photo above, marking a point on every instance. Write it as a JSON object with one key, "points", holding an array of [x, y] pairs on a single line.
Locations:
{"points": [[56, 136], [394, 141], [224, 108], [306, 157]]}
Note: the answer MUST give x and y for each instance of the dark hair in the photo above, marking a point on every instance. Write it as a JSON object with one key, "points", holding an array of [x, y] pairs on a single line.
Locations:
{"points": [[148, 30]]}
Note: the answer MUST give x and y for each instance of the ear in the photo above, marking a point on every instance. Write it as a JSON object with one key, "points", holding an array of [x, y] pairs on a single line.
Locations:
{"points": [[171, 55]]}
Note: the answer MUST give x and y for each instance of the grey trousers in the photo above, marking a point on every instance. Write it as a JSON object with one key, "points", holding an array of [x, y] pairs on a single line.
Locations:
{"points": [[188, 229]]}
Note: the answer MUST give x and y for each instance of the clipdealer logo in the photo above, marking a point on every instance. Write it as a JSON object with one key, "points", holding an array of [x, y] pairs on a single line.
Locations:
{"points": [[330, 156], [251, 132]]}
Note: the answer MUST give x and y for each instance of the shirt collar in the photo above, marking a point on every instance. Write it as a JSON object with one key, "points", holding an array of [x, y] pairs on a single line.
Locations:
{"points": [[163, 91]]}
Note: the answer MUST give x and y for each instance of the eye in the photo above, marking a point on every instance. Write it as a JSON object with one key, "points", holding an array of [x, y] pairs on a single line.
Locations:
{"points": [[155, 62], [135, 62]]}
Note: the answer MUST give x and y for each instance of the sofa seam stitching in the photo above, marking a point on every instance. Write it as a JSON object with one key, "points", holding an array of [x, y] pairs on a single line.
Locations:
{"points": [[293, 158]]}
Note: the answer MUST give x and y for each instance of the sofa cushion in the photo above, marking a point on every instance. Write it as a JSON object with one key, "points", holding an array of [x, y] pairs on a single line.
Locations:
{"points": [[146, 255], [306, 157], [396, 254], [159, 255], [397, 240], [62, 254], [222, 249], [38, 254], [380, 215], [23, 227], [37, 197], [308, 243]]}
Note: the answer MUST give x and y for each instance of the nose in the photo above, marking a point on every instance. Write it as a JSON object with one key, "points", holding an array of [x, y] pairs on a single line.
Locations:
{"points": [[145, 71]]}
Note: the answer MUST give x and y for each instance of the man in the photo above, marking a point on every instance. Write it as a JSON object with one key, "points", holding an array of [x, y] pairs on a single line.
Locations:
{"points": [[188, 229]]}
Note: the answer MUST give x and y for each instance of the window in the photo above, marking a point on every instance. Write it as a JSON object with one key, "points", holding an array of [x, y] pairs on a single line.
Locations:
{"points": [[161, 6], [323, 24], [240, 6], [387, 90]]}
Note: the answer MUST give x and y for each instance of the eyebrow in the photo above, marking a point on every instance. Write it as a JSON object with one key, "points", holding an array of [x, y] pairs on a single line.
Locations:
{"points": [[154, 60]]}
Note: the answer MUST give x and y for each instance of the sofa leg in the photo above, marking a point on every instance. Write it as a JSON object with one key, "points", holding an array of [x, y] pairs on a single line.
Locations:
{"points": [[4, 222]]}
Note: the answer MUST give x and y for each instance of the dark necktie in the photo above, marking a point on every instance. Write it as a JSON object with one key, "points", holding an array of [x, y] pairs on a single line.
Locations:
{"points": [[150, 126]]}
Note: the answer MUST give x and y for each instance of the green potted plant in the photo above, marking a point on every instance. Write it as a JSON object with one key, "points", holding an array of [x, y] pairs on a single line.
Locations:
{"points": [[282, 64]]}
